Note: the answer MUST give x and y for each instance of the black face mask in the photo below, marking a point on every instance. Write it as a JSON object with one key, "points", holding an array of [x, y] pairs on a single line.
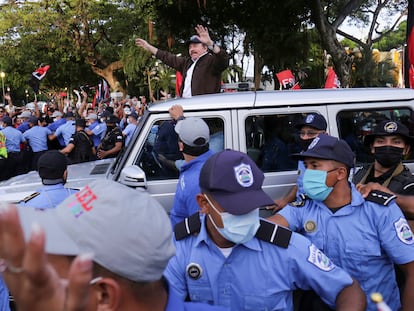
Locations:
{"points": [[110, 127], [388, 156], [304, 143]]}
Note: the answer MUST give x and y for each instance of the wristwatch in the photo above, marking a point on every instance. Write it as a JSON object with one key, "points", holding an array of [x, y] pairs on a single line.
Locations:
{"points": [[211, 47]]}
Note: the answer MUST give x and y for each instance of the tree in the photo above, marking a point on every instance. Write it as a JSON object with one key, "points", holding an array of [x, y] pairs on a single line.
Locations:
{"points": [[328, 16], [74, 36]]}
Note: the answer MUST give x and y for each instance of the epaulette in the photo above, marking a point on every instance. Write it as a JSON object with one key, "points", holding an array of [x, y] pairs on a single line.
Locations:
{"points": [[273, 233], [379, 197], [187, 227], [29, 197], [299, 202]]}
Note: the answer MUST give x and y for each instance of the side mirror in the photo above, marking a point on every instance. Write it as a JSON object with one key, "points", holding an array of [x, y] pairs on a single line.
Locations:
{"points": [[133, 176]]}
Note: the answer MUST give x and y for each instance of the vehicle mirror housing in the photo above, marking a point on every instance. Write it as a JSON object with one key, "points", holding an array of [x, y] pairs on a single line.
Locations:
{"points": [[133, 176]]}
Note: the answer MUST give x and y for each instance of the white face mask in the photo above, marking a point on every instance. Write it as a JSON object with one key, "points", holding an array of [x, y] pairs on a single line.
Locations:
{"points": [[238, 229]]}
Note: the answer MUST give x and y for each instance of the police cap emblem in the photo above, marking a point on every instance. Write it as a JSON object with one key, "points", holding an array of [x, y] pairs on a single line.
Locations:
{"points": [[244, 175], [309, 118], [390, 127]]}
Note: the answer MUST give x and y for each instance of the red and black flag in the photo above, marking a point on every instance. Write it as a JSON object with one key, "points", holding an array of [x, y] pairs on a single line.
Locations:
{"points": [[409, 54], [37, 76], [287, 80]]}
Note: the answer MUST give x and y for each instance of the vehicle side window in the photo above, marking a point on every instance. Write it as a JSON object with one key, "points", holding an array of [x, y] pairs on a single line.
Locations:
{"points": [[354, 125], [161, 158], [270, 139]]}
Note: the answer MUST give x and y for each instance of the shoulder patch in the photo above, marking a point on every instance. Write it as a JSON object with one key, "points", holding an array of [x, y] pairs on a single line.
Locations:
{"points": [[403, 231], [319, 259], [189, 226], [272, 233], [29, 197], [381, 198]]}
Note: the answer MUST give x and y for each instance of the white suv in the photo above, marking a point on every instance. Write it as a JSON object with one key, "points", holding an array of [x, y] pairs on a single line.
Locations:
{"points": [[258, 123]]}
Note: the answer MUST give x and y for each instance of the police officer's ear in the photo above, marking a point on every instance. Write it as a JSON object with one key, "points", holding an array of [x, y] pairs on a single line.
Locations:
{"points": [[203, 203], [107, 294], [342, 173], [180, 146]]}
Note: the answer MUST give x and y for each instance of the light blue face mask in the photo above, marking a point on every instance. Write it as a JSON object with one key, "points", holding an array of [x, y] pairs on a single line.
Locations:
{"points": [[314, 185], [238, 229]]}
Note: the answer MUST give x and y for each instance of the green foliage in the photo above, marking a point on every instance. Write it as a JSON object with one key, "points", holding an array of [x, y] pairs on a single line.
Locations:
{"points": [[394, 40]]}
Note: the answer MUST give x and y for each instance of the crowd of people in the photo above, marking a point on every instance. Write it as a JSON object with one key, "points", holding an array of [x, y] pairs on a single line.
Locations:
{"points": [[83, 133], [332, 242]]}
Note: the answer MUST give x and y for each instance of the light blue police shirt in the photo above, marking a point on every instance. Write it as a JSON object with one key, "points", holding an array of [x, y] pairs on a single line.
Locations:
{"points": [[176, 304], [98, 129], [129, 132], [363, 237], [37, 137], [49, 196], [65, 131], [54, 125], [185, 203], [13, 139], [4, 296], [23, 127], [256, 275]]}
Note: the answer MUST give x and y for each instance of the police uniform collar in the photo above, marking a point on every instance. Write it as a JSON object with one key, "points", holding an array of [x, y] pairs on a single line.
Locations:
{"points": [[52, 181]]}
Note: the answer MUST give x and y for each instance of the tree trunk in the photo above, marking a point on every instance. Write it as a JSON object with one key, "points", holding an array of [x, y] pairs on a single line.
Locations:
{"points": [[108, 74], [341, 60], [258, 66]]}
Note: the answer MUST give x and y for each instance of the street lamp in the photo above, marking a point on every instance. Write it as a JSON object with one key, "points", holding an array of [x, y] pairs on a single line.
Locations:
{"points": [[2, 75]]}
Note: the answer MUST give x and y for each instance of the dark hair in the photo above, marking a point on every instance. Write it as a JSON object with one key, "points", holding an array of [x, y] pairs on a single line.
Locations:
{"points": [[195, 151]]}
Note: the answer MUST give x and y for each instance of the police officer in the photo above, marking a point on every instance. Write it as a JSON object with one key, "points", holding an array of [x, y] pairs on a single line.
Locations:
{"points": [[66, 130], [128, 132], [362, 236], [193, 141], [234, 259], [113, 141], [389, 143], [14, 138], [24, 116], [80, 147], [95, 129], [37, 138], [52, 168], [309, 127]]}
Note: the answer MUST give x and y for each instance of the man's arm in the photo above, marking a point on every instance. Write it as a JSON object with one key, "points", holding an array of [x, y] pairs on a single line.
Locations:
{"points": [[351, 298], [145, 45], [103, 154], [68, 149]]}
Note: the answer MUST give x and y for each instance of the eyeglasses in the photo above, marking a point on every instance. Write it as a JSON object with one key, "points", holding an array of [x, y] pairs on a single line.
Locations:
{"points": [[308, 133]]}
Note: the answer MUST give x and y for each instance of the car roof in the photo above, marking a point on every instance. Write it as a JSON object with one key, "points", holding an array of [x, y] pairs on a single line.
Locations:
{"points": [[258, 99]]}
